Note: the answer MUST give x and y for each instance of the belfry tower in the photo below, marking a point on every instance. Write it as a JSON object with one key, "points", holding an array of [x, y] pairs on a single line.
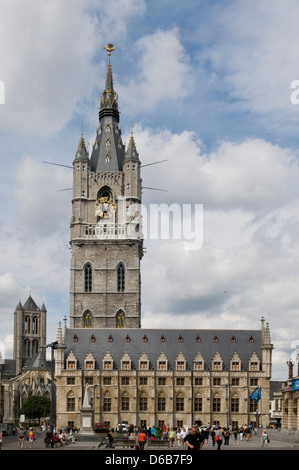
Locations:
{"points": [[105, 236]]}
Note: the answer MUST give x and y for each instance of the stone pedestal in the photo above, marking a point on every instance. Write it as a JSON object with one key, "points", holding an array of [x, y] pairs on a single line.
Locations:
{"points": [[87, 432]]}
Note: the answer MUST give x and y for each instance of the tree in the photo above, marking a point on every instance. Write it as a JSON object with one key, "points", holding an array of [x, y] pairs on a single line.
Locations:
{"points": [[35, 407]]}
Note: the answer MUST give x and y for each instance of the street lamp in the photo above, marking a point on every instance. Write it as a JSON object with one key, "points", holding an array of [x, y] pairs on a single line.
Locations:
{"points": [[52, 422]]}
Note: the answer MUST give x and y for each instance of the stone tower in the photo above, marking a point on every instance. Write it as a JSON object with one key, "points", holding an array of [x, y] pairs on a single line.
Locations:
{"points": [[105, 235], [30, 323]]}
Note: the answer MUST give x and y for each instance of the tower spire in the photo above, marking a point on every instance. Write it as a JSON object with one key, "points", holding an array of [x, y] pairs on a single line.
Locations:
{"points": [[109, 99]]}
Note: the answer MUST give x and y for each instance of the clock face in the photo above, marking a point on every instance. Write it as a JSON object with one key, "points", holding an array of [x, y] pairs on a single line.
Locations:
{"points": [[105, 207]]}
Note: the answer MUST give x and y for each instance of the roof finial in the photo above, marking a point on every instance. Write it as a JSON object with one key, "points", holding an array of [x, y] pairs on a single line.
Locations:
{"points": [[132, 127], [110, 48]]}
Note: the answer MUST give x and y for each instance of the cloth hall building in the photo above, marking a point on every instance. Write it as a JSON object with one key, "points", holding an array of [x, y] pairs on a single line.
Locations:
{"points": [[135, 375]]}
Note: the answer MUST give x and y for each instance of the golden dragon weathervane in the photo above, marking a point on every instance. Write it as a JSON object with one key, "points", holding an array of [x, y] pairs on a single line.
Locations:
{"points": [[110, 48]]}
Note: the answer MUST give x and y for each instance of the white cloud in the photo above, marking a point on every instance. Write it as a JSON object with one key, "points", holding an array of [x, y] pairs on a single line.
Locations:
{"points": [[41, 205], [47, 58], [163, 72], [254, 57]]}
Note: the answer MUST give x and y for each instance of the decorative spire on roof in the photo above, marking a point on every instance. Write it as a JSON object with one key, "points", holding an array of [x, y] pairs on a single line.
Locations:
{"points": [[82, 152], [109, 98], [131, 152]]}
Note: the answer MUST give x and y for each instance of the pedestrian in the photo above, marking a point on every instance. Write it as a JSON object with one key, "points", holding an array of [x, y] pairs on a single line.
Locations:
{"points": [[213, 437], [219, 437], [0, 440], [193, 440], [235, 432], [21, 436], [264, 438], [206, 434], [226, 437], [31, 437], [178, 437], [171, 436], [183, 433], [241, 433], [141, 439]]}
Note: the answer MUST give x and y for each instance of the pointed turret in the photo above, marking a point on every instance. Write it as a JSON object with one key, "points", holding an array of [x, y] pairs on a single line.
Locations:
{"points": [[82, 152], [131, 153]]}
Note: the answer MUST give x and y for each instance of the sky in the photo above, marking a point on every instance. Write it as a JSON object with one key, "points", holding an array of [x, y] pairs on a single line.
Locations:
{"points": [[211, 88]]}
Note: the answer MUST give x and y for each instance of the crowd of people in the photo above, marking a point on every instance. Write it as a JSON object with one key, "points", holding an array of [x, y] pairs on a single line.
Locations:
{"points": [[195, 437]]}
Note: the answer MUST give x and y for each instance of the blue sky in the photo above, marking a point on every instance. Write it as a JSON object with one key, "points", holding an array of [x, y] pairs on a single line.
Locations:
{"points": [[208, 87]]}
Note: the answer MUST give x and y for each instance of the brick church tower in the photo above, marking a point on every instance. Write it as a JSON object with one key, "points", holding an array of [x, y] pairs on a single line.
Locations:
{"points": [[105, 236]]}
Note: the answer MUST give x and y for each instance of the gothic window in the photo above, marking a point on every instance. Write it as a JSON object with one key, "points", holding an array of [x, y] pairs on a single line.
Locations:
{"points": [[125, 402], [143, 402], [35, 325], [197, 403], [27, 325], [88, 278], [87, 319], [120, 319], [34, 346], [70, 405], [235, 403], [27, 348], [161, 402], [107, 403], [216, 405], [120, 278], [179, 405]]}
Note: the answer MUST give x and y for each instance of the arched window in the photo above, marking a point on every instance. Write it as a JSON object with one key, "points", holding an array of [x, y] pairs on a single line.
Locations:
{"points": [[120, 319], [179, 405], [88, 278], [70, 402], [235, 403], [87, 319], [143, 402], [120, 278]]}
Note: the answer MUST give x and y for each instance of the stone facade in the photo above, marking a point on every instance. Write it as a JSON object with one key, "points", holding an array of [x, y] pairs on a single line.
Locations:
{"points": [[171, 377]]}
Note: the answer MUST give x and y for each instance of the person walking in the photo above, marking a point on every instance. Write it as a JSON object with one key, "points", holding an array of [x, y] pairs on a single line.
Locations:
{"points": [[31, 437], [226, 437], [193, 440], [264, 438], [21, 436], [213, 433], [141, 439], [219, 437], [171, 435]]}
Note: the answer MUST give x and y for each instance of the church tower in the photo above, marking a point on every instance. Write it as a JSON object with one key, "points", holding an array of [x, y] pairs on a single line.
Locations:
{"points": [[105, 233], [30, 323]]}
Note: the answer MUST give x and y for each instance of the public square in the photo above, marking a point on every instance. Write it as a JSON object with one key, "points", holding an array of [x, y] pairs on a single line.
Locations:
{"points": [[278, 441]]}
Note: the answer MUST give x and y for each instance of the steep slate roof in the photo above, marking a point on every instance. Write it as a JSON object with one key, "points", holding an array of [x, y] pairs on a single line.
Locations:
{"points": [[171, 347], [30, 305], [38, 362]]}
